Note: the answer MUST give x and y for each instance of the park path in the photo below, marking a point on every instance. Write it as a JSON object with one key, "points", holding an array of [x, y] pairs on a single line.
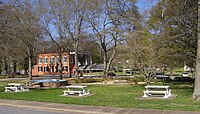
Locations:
{"points": [[83, 109]]}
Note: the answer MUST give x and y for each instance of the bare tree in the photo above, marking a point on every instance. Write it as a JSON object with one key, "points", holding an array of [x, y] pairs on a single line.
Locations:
{"points": [[109, 19], [75, 26], [63, 22], [29, 30], [51, 15], [20, 30]]}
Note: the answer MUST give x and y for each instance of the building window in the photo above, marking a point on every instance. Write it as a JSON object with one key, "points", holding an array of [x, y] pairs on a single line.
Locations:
{"points": [[46, 68], [64, 59], [46, 60], [65, 68], [40, 69], [40, 61], [52, 69], [57, 60], [52, 60]]}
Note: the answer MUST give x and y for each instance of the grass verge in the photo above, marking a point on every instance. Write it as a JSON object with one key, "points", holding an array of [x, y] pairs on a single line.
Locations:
{"points": [[114, 96]]}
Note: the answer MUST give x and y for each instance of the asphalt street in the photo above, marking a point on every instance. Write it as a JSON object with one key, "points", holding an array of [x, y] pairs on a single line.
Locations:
{"points": [[20, 110]]}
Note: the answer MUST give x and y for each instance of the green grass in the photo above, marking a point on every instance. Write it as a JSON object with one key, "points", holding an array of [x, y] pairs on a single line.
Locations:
{"points": [[113, 96], [12, 76], [177, 71]]}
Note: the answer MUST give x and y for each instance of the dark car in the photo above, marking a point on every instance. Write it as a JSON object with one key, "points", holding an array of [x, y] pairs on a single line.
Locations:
{"points": [[183, 79], [161, 76], [111, 74], [18, 72]]}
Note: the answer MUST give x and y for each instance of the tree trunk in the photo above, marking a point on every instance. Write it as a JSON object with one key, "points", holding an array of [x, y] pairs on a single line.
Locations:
{"points": [[196, 93], [1, 65], [60, 65], [105, 73], [30, 63], [76, 63], [171, 71], [14, 67], [30, 67], [5, 64], [9, 66], [124, 66], [110, 60]]}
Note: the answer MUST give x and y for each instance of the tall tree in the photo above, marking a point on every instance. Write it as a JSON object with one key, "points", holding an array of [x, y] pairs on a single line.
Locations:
{"points": [[63, 21], [30, 32], [20, 30], [196, 93], [175, 25], [52, 14], [178, 22], [75, 26], [144, 53], [109, 19]]}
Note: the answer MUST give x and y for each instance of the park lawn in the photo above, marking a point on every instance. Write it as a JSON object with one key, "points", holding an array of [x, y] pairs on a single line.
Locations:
{"points": [[111, 95]]}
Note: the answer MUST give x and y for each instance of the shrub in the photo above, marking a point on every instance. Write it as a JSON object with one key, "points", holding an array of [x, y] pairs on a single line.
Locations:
{"points": [[136, 79], [89, 80]]}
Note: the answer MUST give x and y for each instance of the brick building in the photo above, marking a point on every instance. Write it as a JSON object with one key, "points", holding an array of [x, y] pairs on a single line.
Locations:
{"points": [[47, 64]]}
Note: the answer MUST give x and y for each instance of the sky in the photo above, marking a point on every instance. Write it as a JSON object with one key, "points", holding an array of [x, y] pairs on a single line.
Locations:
{"points": [[145, 4], [142, 4]]}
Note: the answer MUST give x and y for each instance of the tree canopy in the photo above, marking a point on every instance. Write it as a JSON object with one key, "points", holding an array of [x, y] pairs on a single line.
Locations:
{"points": [[175, 24]]}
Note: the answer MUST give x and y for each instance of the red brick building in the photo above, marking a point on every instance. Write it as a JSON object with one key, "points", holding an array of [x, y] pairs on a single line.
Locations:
{"points": [[47, 64]]}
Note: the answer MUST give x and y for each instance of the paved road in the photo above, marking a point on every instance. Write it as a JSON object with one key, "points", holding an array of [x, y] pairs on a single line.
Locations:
{"points": [[20, 110], [32, 107]]}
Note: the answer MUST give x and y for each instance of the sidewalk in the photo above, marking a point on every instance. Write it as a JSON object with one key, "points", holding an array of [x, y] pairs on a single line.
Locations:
{"points": [[83, 109]]}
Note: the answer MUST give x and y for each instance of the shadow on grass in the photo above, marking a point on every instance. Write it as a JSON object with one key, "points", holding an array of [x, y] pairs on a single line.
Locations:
{"points": [[182, 86], [38, 89]]}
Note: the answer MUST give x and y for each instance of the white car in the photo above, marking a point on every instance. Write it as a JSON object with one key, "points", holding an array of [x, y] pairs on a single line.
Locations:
{"points": [[185, 74]]}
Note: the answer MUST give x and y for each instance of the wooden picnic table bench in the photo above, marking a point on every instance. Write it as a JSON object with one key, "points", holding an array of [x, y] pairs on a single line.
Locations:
{"points": [[157, 90], [80, 90]]}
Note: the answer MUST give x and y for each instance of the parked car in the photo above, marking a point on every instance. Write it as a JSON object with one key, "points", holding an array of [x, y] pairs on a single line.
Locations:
{"points": [[18, 72], [161, 76], [183, 79], [111, 74], [185, 74]]}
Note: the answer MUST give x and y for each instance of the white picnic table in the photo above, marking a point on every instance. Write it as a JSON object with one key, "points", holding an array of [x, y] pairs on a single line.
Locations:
{"points": [[80, 90], [16, 87], [157, 90]]}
